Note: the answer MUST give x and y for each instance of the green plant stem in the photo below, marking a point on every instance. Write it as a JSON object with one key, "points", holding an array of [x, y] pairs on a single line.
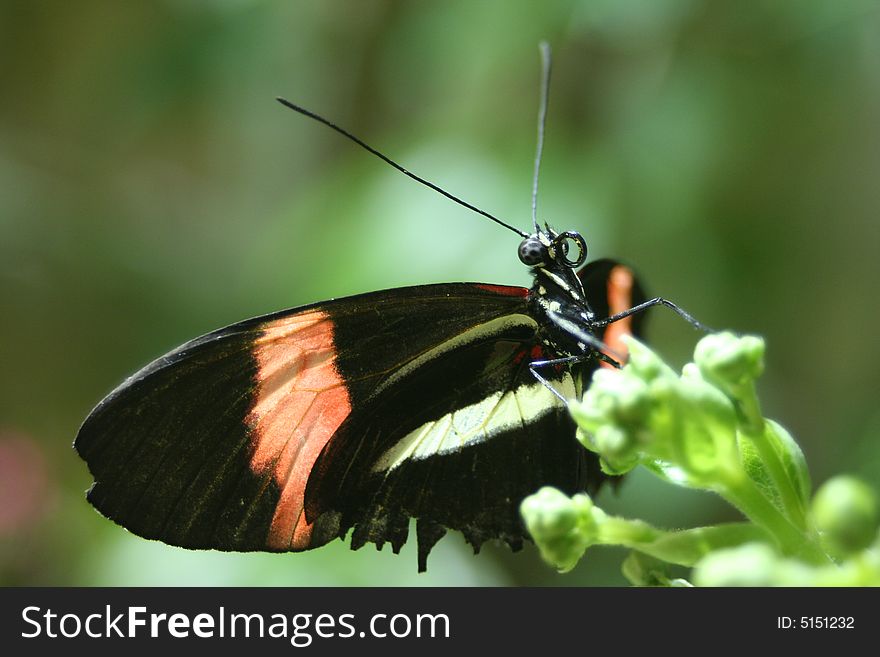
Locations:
{"points": [[682, 547], [749, 408], [739, 491]]}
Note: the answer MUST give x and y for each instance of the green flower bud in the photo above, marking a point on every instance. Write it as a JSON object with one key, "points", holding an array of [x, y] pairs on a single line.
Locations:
{"points": [[715, 408], [644, 363], [618, 397], [610, 417], [563, 528], [730, 362], [845, 511], [619, 465], [611, 441], [708, 434], [548, 513]]}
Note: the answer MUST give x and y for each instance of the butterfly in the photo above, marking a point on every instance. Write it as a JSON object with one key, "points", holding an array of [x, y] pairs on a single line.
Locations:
{"points": [[445, 403]]}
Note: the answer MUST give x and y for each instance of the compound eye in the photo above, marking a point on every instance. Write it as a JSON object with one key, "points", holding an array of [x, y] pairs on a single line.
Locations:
{"points": [[532, 252]]}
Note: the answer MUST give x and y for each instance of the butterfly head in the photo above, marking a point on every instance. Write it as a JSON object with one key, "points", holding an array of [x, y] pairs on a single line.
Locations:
{"points": [[547, 248]]}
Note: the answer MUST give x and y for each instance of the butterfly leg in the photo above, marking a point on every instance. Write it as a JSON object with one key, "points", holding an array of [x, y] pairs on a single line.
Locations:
{"points": [[656, 301], [608, 359], [534, 365]]}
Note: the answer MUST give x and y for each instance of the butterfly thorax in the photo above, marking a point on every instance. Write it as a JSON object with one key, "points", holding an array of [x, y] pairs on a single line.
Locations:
{"points": [[559, 303], [557, 296]]}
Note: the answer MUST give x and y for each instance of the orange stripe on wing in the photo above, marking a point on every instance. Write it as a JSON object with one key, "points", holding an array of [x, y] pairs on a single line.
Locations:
{"points": [[300, 402], [620, 295]]}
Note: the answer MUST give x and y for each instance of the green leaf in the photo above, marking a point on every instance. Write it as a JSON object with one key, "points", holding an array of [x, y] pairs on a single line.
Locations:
{"points": [[793, 460], [757, 471], [776, 465]]}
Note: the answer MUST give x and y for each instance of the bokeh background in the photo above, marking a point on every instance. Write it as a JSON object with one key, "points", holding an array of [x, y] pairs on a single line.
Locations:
{"points": [[151, 189]]}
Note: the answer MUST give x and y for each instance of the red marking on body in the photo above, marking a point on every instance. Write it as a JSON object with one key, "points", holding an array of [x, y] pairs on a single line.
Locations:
{"points": [[300, 402], [505, 290], [619, 290]]}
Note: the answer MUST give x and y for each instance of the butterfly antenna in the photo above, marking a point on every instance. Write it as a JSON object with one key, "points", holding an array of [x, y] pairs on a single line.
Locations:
{"points": [[546, 61], [388, 160]]}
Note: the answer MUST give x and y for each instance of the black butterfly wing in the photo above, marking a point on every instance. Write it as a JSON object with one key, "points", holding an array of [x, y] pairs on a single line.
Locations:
{"points": [[456, 442], [612, 287], [215, 444]]}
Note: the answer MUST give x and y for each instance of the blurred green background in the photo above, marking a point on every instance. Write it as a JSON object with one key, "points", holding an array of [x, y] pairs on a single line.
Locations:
{"points": [[151, 189]]}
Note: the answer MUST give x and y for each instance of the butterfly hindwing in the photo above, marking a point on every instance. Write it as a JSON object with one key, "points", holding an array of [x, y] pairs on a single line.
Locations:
{"points": [[612, 287], [457, 443]]}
